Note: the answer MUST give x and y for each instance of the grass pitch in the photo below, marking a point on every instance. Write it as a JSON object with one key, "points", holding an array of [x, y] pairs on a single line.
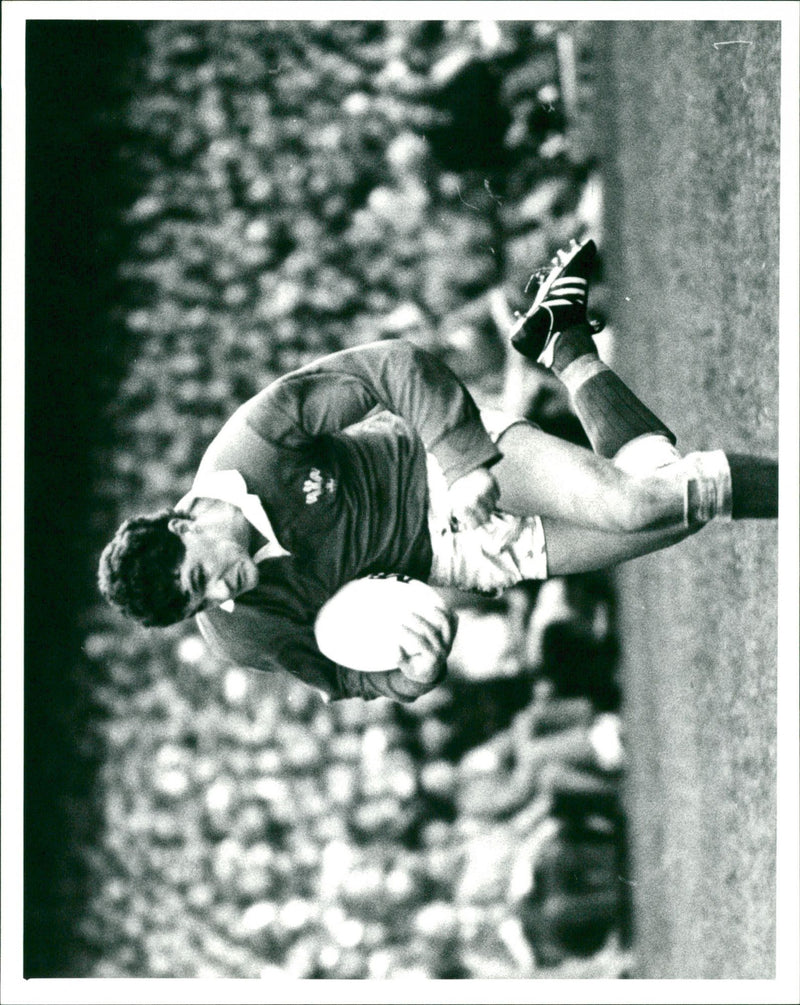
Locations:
{"points": [[692, 257]]}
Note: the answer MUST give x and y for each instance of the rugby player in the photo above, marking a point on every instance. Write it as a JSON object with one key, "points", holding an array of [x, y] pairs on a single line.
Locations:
{"points": [[305, 488]]}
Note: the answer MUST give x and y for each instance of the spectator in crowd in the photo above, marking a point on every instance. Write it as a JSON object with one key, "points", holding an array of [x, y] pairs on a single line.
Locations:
{"points": [[560, 631], [570, 873], [550, 739], [304, 489], [571, 643], [553, 849]]}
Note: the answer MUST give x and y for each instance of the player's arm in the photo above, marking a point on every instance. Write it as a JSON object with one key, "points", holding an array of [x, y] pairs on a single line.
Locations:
{"points": [[473, 497], [418, 674], [269, 642], [341, 389]]}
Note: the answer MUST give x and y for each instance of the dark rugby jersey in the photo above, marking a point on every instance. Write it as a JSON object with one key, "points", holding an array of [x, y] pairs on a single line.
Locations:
{"points": [[345, 491]]}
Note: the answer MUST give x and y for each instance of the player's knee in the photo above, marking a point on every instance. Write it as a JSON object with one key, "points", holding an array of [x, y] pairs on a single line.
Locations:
{"points": [[633, 510]]}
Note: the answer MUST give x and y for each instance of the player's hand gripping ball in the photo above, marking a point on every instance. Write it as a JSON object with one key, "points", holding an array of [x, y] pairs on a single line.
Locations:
{"points": [[382, 623], [473, 498]]}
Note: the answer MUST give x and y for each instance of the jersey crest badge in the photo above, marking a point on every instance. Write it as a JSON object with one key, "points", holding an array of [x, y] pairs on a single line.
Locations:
{"points": [[315, 485]]}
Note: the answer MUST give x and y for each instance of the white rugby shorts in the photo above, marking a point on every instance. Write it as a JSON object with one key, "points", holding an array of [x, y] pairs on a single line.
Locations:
{"points": [[490, 558]]}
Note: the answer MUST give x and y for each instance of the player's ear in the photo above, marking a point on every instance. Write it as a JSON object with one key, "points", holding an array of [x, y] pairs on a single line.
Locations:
{"points": [[179, 525]]}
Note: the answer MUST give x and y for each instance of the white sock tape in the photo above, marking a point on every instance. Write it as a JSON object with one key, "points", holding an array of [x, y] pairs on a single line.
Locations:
{"points": [[580, 370], [646, 453], [709, 493]]}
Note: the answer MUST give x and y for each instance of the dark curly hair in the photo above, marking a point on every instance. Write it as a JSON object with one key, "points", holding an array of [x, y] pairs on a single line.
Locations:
{"points": [[139, 571]]}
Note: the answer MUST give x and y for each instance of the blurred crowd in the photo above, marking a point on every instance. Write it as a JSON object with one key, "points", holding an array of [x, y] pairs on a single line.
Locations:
{"points": [[303, 187], [250, 828]]}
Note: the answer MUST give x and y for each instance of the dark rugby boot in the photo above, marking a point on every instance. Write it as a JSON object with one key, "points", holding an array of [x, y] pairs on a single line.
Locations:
{"points": [[560, 303]]}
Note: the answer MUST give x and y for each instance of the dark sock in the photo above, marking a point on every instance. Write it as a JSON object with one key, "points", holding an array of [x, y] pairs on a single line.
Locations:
{"points": [[609, 411], [571, 344], [754, 484]]}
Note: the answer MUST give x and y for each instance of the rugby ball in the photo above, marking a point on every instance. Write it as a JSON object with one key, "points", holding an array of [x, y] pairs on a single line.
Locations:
{"points": [[361, 626]]}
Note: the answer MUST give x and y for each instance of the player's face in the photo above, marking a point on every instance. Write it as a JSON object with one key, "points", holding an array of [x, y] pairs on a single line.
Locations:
{"points": [[215, 568]]}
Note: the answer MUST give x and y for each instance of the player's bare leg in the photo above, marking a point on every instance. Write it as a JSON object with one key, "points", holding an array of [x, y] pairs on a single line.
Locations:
{"points": [[543, 475], [573, 549], [594, 514]]}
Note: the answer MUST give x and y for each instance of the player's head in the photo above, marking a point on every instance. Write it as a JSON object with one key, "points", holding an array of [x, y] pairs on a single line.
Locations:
{"points": [[140, 571], [163, 568]]}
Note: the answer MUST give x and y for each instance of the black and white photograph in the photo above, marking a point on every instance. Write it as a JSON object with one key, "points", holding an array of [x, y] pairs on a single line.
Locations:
{"points": [[400, 502]]}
